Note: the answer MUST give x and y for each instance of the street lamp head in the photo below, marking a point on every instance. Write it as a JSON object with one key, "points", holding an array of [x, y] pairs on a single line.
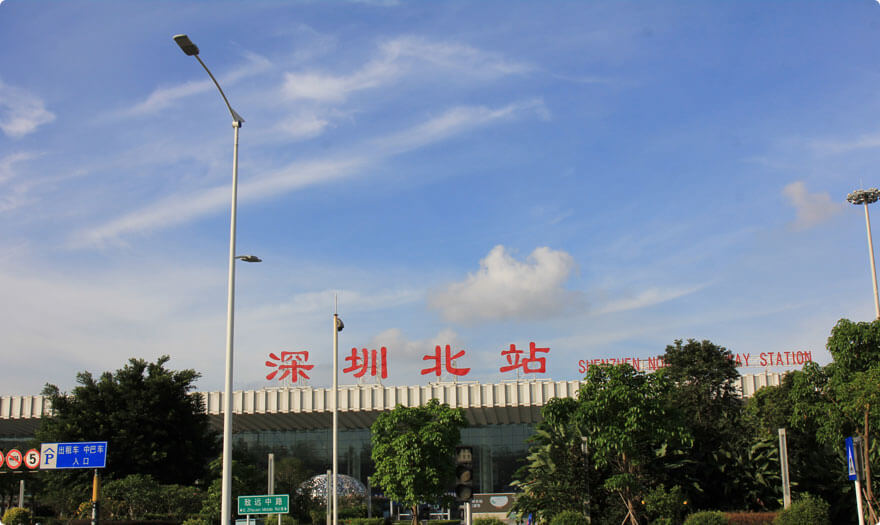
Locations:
{"points": [[864, 196], [249, 258], [339, 324], [186, 45]]}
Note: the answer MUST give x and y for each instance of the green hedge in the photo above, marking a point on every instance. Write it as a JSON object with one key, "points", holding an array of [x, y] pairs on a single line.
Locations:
{"points": [[488, 521], [808, 510], [707, 517]]}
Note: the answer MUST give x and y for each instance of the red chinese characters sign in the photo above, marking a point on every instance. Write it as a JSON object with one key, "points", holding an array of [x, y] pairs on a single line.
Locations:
{"points": [[374, 363]]}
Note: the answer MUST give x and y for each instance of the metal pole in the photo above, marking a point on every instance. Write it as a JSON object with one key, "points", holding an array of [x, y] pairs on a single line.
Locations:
{"points": [[335, 414], [95, 505], [873, 266], [226, 503], [21, 493], [327, 497], [271, 474], [783, 465]]}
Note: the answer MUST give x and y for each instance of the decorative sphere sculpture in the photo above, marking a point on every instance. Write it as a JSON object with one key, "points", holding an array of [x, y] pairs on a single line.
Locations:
{"points": [[346, 486]]}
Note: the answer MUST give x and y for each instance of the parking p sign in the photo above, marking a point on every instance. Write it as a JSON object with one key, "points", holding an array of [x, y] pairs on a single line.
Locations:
{"points": [[90, 454]]}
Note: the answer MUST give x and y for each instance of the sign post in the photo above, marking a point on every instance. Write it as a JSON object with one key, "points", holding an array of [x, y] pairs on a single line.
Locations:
{"points": [[853, 450]]}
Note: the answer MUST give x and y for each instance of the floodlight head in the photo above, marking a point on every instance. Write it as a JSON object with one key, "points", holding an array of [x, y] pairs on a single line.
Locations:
{"points": [[864, 196], [339, 325], [249, 258], [186, 45]]}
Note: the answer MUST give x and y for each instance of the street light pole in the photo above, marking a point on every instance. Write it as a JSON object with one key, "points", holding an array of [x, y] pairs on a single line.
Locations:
{"points": [[191, 49], [866, 197], [337, 327]]}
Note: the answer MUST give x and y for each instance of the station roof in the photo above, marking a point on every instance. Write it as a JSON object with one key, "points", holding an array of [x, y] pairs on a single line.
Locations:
{"points": [[308, 408]]}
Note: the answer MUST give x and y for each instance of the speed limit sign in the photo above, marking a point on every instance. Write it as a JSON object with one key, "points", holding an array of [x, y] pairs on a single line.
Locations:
{"points": [[32, 458], [1, 458], [13, 459]]}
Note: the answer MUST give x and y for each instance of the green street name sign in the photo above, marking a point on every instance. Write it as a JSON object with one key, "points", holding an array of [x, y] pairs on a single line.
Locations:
{"points": [[267, 504]]}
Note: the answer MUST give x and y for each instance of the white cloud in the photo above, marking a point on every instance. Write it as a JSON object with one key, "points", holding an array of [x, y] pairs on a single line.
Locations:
{"points": [[179, 209], [397, 57], [164, 97], [13, 189], [304, 126], [646, 298], [21, 112], [811, 208], [454, 121], [505, 288]]}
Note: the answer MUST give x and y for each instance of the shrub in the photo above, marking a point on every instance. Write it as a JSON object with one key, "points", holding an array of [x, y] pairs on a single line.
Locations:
{"points": [[809, 510], [286, 519], [670, 505], [364, 521], [707, 517], [434, 522], [488, 521], [194, 521], [17, 516], [568, 517]]}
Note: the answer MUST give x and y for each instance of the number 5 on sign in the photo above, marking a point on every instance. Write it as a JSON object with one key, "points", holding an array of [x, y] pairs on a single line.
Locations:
{"points": [[32, 458]]}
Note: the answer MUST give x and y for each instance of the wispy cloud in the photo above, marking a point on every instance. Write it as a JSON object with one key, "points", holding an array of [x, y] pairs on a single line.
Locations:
{"points": [[646, 298], [836, 147], [21, 112], [505, 288], [164, 97], [179, 209], [13, 190], [811, 209], [455, 121], [395, 58]]}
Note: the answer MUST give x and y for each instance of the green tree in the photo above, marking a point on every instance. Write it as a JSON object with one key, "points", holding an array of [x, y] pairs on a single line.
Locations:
{"points": [[842, 398], [704, 375], [154, 425], [628, 424], [555, 477], [413, 451]]}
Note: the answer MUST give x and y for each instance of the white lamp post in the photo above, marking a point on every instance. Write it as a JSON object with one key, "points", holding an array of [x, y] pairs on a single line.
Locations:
{"points": [[337, 327], [191, 49], [866, 197]]}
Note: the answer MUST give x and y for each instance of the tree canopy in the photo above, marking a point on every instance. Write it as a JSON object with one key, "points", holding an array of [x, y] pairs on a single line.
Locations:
{"points": [[413, 449], [153, 424]]}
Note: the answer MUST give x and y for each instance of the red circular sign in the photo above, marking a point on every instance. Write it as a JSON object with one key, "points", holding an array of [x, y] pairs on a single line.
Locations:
{"points": [[13, 459], [32, 458], [1, 458]]}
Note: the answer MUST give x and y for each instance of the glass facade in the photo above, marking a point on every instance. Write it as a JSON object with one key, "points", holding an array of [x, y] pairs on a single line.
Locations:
{"points": [[498, 451]]}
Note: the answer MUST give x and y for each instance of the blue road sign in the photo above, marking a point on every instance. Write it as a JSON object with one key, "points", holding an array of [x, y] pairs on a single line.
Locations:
{"points": [[89, 454], [851, 460]]}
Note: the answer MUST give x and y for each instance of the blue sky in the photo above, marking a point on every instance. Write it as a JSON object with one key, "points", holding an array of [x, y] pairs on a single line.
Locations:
{"points": [[597, 178]]}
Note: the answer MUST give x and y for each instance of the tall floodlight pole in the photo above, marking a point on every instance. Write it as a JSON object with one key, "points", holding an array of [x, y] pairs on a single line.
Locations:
{"points": [[337, 327], [866, 197], [191, 49]]}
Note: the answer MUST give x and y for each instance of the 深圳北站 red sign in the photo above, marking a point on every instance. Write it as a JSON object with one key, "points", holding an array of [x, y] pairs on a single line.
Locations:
{"points": [[363, 361], [763, 359]]}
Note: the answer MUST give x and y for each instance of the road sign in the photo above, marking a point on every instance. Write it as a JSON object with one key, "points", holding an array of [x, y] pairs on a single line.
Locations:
{"points": [[88, 454], [267, 504], [13, 459], [1, 458], [851, 460], [32, 458]]}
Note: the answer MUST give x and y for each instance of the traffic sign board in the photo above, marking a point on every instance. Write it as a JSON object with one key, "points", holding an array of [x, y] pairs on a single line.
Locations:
{"points": [[268, 504], [1, 458], [87, 454], [13, 459], [851, 461], [32, 458]]}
